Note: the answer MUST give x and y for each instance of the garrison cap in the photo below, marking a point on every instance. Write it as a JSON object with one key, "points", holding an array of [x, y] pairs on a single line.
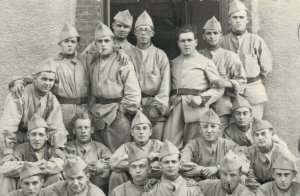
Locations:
{"points": [[236, 6], [213, 24], [210, 117], [73, 165], [124, 17], [46, 66], [28, 170], [144, 19], [285, 161], [136, 154], [102, 30], [259, 125], [230, 162], [67, 32], [168, 149], [140, 118], [240, 102], [35, 122]]}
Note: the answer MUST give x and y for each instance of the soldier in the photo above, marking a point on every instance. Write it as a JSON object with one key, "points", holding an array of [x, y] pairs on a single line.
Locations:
{"points": [[95, 154], [240, 130], [253, 53], [71, 85], [262, 154], [139, 169], [31, 181], [191, 78], [232, 73], [141, 130], [284, 173], [172, 183], [121, 26], [230, 173], [202, 157], [76, 183], [153, 73], [37, 151], [115, 92]]}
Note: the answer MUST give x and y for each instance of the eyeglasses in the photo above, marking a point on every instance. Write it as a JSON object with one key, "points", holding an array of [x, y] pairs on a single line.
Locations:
{"points": [[140, 30]]}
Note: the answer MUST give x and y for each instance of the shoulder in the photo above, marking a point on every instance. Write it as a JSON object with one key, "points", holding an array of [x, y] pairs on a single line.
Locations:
{"points": [[266, 187], [157, 142], [100, 146], [94, 190], [15, 193], [56, 187], [119, 189], [22, 147]]}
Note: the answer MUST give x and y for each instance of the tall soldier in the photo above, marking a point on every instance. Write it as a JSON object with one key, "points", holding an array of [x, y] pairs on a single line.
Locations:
{"points": [[71, 85], [191, 77], [115, 91], [254, 54], [231, 70], [153, 73]]}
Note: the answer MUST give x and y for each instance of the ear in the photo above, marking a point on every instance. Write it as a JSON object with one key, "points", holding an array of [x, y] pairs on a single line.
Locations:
{"points": [[151, 131], [196, 40], [92, 130], [248, 19], [73, 131], [203, 37], [113, 25], [152, 33]]}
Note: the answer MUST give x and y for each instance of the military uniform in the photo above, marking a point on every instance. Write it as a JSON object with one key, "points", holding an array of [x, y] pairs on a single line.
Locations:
{"points": [[190, 76], [112, 85], [257, 61]]}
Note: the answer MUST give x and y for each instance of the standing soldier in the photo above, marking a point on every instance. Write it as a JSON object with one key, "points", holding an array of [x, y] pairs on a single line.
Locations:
{"points": [[153, 73], [115, 92], [284, 173], [191, 77], [31, 181], [254, 54], [232, 73], [139, 169], [71, 85]]}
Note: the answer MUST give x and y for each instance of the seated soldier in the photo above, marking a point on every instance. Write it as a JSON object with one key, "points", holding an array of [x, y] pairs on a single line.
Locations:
{"points": [[172, 183], [262, 154], [141, 130], [230, 173], [139, 169], [202, 156], [37, 151], [95, 154], [76, 183], [31, 181], [239, 130], [284, 173]]}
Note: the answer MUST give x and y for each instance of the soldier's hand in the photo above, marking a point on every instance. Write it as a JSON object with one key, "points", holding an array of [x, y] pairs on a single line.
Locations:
{"points": [[209, 171], [221, 83], [193, 172], [152, 155], [150, 184], [17, 90], [196, 101], [91, 167], [124, 59], [154, 112]]}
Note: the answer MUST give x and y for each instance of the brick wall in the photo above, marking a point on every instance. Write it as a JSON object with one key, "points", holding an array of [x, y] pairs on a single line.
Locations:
{"points": [[88, 13]]}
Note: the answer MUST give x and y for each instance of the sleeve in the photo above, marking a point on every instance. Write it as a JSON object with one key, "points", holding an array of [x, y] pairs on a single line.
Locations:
{"points": [[212, 75], [132, 92], [105, 155], [52, 166], [24, 80], [119, 159], [55, 119], [187, 152], [260, 192], [237, 76], [12, 114], [251, 180], [161, 99], [264, 58]]}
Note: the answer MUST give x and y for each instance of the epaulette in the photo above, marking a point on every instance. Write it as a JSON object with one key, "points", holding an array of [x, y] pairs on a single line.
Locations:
{"points": [[58, 57]]}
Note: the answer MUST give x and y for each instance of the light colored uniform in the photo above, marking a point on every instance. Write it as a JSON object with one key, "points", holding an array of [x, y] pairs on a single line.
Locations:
{"points": [[120, 160], [18, 111], [198, 152], [71, 87], [61, 189], [271, 189], [20, 193], [257, 62], [127, 189], [113, 85], [230, 67], [192, 72], [153, 73], [177, 187], [214, 188], [93, 152]]}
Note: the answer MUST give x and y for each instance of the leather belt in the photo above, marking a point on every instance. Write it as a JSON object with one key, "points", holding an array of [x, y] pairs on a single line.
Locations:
{"points": [[76, 101], [251, 80], [102, 100], [186, 91], [145, 95]]}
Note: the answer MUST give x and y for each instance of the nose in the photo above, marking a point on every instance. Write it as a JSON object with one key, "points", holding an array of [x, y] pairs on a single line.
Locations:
{"points": [[30, 187], [138, 170]]}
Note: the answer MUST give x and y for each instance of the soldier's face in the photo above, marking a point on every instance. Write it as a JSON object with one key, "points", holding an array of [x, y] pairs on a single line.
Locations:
{"points": [[212, 37], [210, 132], [242, 116], [31, 186], [141, 133], [239, 21], [187, 43], [121, 30], [283, 178], [83, 130], [69, 46], [37, 138], [229, 180], [170, 165], [139, 171], [105, 45], [143, 34], [263, 138], [77, 183], [44, 81]]}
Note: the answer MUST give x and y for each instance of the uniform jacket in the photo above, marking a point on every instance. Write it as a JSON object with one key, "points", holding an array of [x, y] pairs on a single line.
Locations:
{"points": [[127, 189], [270, 189]]}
